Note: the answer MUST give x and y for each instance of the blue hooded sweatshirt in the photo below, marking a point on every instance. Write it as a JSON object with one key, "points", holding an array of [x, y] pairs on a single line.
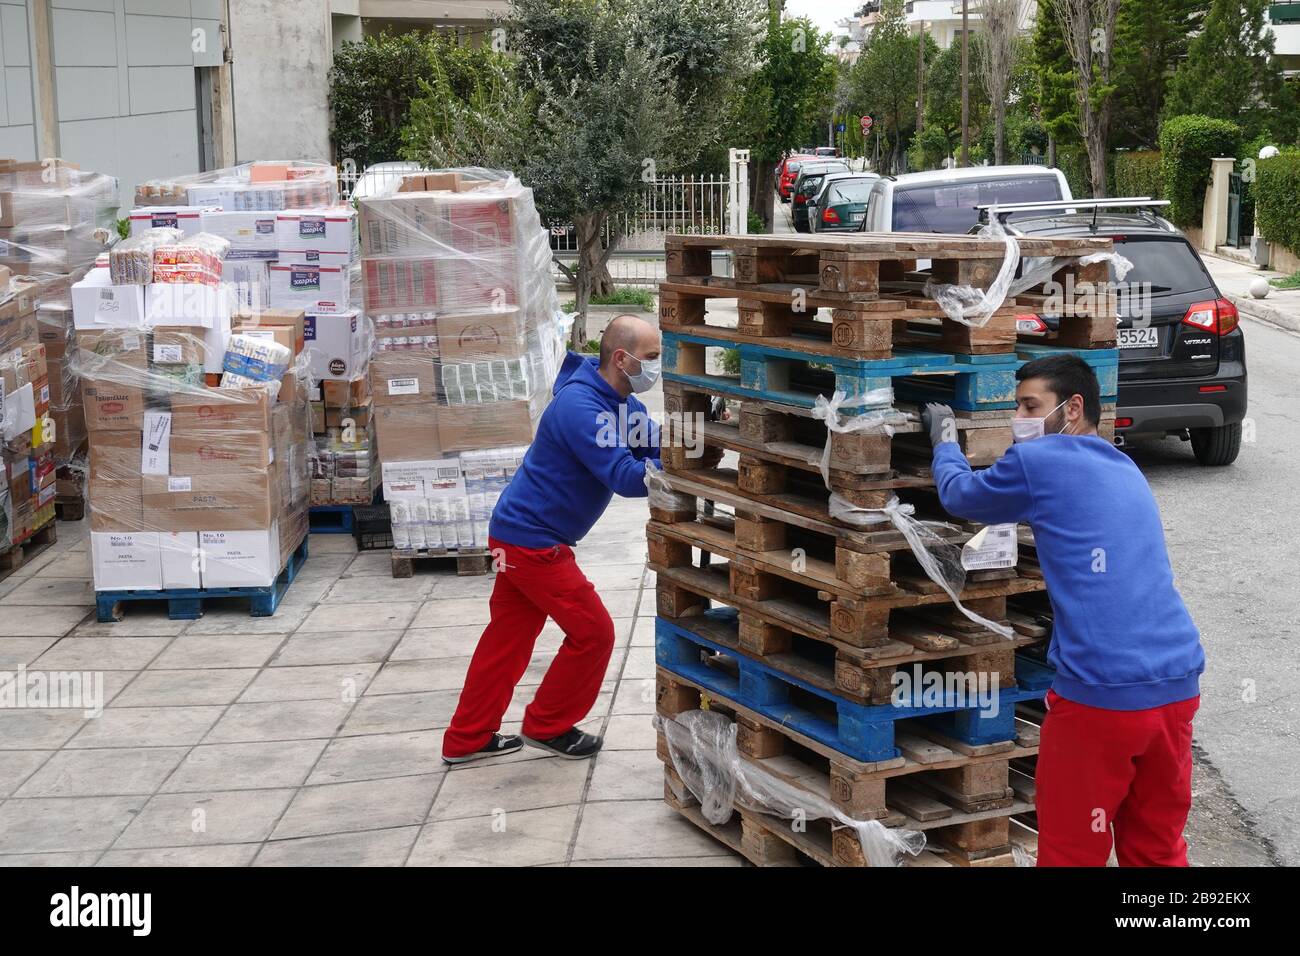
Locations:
{"points": [[1121, 638], [591, 444]]}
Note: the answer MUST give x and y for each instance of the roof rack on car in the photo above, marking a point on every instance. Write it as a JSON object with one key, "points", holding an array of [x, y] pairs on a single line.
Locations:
{"points": [[1144, 203]]}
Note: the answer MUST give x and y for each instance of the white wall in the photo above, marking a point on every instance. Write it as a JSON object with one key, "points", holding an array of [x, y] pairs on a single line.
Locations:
{"points": [[17, 107], [280, 75]]}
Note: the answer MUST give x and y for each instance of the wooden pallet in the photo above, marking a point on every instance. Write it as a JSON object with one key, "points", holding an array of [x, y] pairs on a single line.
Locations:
{"points": [[955, 793], [468, 563], [862, 675], [330, 519], [187, 604], [23, 551], [870, 284]]}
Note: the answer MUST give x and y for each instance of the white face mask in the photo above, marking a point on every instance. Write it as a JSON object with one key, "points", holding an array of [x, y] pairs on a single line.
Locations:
{"points": [[644, 380], [1027, 429]]}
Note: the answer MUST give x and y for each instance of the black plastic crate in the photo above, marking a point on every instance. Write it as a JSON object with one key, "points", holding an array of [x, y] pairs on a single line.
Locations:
{"points": [[372, 527]]}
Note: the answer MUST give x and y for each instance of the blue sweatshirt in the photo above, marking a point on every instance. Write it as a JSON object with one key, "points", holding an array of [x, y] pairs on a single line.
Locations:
{"points": [[591, 444], [1122, 638]]}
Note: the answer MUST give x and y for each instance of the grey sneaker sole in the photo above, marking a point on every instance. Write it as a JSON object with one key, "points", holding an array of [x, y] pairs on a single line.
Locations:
{"points": [[559, 753]]}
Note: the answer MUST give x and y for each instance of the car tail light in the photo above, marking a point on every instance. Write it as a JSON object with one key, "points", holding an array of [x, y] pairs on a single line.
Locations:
{"points": [[1123, 422], [1219, 316], [1030, 324], [830, 215], [1214, 388]]}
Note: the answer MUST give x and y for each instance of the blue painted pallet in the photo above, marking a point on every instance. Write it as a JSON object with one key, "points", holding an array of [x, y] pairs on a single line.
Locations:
{"points": [[331, 519], [966, 382], [186, 604], [864, 732]]}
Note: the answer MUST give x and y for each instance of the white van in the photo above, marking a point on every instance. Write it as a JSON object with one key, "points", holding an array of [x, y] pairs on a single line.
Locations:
{"points": [[944, 200]]}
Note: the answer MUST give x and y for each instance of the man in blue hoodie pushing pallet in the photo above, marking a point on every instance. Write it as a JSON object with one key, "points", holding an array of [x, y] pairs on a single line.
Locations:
{"points": [[593, 442], [1116, 746]]}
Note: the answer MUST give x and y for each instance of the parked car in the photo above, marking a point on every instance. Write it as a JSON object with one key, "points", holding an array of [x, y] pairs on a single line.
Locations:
{"points": [[1182, 364], [841, 202], [788, 171], [945, 200], [809, 181], [832, 151]]}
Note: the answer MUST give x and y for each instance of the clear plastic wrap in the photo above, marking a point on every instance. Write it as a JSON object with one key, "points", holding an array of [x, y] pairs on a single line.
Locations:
{"points": [[56, 224], [974, 307], [456, 283], [262, 185], [880, 415], [702, 745], [938, 557], [130, 262], [192, 483]]}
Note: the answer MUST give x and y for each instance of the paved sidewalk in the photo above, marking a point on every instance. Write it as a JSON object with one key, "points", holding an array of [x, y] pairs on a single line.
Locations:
{"points": [[1281, 308]]}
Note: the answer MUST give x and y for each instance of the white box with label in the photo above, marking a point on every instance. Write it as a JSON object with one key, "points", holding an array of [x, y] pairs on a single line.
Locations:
{"points": [[248, 282], [187, 303], [188, 219], [306, 282], [335, 343], [123, 561], [423, 479], [98, 304], [321, 230], [240, 559], [179, 554], [251, 233]]}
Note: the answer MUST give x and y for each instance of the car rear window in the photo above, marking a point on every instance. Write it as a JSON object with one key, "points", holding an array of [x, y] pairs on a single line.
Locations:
{"points": [[950, 207], [1169, 265], [811, 184], [854, 191]]}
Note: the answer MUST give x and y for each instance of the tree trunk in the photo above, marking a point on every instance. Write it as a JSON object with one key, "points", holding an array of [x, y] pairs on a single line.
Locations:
{"points": [[1097, 161], [999, 134], [763, 192], [587, 229]]}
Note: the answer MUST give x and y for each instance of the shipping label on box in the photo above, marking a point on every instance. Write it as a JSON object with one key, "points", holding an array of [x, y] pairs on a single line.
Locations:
{"points": [[156, 445], [125, 561], [403, 378]]}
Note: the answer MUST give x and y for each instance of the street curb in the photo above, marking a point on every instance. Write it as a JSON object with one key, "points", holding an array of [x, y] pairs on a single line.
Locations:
{"points": [[1255, 309]]}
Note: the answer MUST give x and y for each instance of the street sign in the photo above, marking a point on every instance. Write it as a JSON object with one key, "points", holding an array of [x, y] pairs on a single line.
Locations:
{"points": [[841, 127], [866, 124]]}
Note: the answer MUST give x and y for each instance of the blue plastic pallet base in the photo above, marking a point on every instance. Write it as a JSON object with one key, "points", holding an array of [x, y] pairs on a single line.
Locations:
{"points": [[864, 732], [186, 604], [331, 519]]}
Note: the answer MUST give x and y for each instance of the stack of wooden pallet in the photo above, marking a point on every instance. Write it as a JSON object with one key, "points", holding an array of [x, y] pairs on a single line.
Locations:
{"points": [[794, 624]]}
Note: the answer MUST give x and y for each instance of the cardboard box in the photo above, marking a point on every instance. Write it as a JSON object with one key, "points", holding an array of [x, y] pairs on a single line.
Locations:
{"points": [[48, 173], [19, 408], [180, 559], [408, 432], [336, 345], [97, 303], [484, 335], [216, 408], [397, 285], [293, 317], [251, 233], [219, 452], [122, 561], [305, 282], [112, 407], [176, 346], [214, 502], [240, 559], [110, 348], [188, 219], [327, 231], [345, 394], [403, 378], [285, 335], [317, 417], [493, 425], [358, 415]]}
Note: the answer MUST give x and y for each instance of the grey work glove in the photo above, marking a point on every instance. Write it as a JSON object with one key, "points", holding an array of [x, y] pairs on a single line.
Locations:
{"points": [[941, 422]]}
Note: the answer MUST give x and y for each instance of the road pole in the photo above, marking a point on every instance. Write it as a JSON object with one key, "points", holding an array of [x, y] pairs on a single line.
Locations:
{"points": [[965, 86]]}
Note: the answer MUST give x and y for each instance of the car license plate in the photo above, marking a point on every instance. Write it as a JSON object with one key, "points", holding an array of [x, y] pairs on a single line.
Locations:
{"points": [[855, 217], [1147, 338]]}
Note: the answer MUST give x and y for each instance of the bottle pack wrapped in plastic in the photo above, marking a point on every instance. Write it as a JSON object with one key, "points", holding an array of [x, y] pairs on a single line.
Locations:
{"points": [[249, 186], [456, 278], [194, 480]]}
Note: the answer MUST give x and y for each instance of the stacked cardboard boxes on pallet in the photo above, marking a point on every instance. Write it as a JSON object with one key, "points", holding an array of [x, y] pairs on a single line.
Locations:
{"points": [[799, 624], [292, 250], [195, 484], [54, 220], [456, 281]]}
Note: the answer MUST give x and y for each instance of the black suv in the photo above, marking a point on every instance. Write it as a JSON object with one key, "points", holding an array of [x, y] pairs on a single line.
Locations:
{"points": [[1182, 366]]}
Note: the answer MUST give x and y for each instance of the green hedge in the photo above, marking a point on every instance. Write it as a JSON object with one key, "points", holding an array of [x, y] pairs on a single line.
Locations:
{"points": [[1138, 174], [1277, 199], [1187, 144]]}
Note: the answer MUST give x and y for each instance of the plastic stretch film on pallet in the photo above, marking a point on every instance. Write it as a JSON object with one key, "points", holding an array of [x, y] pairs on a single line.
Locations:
{"points": [[702, 745]]}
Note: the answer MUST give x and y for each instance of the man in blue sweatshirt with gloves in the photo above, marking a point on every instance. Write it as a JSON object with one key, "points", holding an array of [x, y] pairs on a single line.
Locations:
{"points": [[1115, 749], [593, 442]]}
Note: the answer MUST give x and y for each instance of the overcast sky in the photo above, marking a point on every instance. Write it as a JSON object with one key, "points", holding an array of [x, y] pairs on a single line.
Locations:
{"points": [[824, 13]]}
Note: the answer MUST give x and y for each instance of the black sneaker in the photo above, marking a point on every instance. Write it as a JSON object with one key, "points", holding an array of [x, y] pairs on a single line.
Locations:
{"points": [[573, 744], [498, 745]]}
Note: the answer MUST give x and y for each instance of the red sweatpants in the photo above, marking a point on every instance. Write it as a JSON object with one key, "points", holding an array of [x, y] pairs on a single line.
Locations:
{"points": [[1127, 769], [533, 584]]}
